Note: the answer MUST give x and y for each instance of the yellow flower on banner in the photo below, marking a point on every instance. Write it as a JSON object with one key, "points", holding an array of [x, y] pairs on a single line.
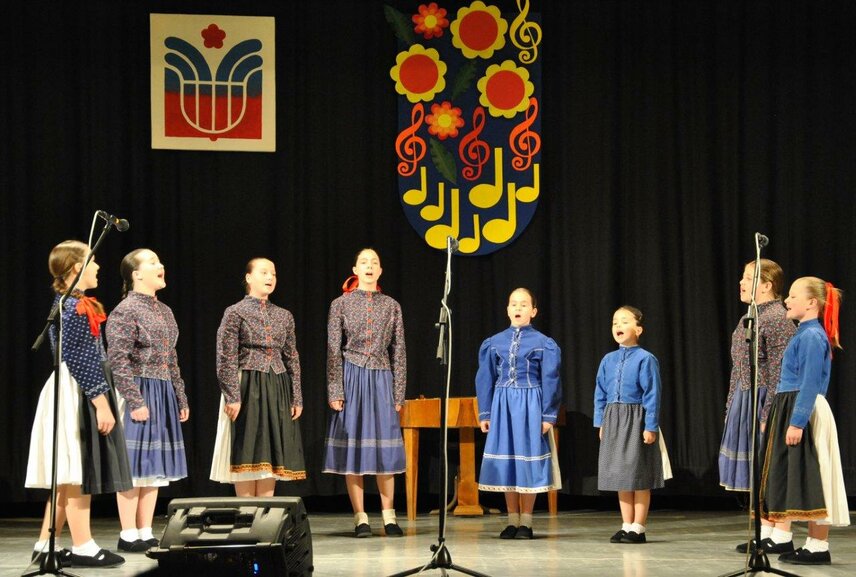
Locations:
{"points": [[505, 89], [419, 74], [479, 30]]}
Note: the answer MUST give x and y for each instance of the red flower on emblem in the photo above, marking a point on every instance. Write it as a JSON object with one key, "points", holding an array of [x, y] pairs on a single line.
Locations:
{"points": [[213, 36], [430, 21], [444, 120]]}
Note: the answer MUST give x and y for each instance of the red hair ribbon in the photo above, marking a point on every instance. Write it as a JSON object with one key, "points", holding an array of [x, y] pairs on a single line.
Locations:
{"points": [[94, 312], [352, 283], [830, 314]]}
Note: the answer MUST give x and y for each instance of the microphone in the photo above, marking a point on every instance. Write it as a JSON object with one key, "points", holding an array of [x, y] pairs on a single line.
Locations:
{"points": [[762, 240], [120, 223], [452, 244]]}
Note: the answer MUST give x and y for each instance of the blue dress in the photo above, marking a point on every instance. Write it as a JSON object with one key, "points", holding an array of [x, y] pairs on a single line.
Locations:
{"points": [[518, 387]]}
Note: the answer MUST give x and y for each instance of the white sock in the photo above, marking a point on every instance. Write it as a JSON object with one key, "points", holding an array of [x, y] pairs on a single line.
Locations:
{"points": [[129, 535], [526, 520], [41, 546], [766, 531], [780, 536], [88, 549], [388, 516], [146, 533], [514, 519], [360, 519], [627, 527], [815, 545], [637, 528]]}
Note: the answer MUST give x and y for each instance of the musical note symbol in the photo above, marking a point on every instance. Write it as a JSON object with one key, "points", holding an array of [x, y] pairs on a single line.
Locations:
{"points": [[416, 196], [523, 142], [525, 35], [500, 230], [473, 151], [486, 195], [432, 212], [436, 235], [469, 245], [409, 147], [530, 193]]}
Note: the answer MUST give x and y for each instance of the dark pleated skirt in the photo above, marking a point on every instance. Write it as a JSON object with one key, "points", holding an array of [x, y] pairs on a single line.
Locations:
{"points": [[791, 486], [625, 462], [105, 463], [266, 442]]}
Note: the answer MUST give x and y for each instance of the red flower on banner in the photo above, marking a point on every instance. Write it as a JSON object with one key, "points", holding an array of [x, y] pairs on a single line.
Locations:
{"points": [[444, 120], [419, 73], [430, 21], [479, 30], [213, 36], [505, 89]]}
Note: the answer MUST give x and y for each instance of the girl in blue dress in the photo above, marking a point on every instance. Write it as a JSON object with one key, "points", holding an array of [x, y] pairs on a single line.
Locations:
{"points": [[802, 478], [627, 410], [519, 392]]}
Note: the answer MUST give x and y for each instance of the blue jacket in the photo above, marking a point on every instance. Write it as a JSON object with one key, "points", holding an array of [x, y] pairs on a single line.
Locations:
{"points": [[532, 360], [629, 375], [805, 368]]}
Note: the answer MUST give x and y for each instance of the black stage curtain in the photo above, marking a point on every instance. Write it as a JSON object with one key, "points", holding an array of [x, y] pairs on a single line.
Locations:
{"points": [[673, 131]]}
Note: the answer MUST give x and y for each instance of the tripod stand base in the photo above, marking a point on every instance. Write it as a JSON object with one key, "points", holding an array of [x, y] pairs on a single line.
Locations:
{"points": [[758, 562], [49, 567], [441, 560]]}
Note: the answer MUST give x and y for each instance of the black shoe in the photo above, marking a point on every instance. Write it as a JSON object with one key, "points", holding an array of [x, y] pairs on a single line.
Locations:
{"points": [[509, 532], [767, 546], [63, 557], [362, 530], [151, 542], [633, 537], [103, 558], [137, 546], [742, 548], [523, 532], [618, 536], [803, 556], [393, 530]]}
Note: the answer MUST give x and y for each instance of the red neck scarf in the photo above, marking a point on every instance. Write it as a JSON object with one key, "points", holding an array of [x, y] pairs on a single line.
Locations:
{"points": [[94, 311]]}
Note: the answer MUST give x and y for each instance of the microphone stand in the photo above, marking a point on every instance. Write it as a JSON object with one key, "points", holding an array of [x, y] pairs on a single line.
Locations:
{"points": [[441, 558], [50, 563], [756, 557]]}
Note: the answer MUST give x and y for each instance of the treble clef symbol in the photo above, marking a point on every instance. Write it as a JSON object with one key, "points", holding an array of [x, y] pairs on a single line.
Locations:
{"points": [[473, 151], [523, 142], [409, 147]]}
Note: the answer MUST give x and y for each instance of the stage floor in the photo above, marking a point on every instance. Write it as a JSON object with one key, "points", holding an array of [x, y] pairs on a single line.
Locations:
{"points": [[574, 543]]}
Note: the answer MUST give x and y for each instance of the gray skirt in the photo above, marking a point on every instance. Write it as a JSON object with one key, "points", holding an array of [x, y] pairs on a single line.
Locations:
{"points": [[625, 463]]}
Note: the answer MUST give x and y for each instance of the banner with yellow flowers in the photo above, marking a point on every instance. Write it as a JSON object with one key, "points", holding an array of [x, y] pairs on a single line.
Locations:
{"points": [[469, 118]]}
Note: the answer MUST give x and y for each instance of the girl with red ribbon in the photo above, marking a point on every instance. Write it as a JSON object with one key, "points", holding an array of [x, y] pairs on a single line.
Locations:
{"points": [[91, 456], [802, 478]]}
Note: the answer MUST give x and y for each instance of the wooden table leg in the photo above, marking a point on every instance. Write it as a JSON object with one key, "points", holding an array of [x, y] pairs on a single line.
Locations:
{"points": [[468, 490], [553, 496], [411, 474]]}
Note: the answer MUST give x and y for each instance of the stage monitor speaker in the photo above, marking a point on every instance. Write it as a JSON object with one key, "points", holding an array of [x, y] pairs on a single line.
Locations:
{"points": [[236, 536]]}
